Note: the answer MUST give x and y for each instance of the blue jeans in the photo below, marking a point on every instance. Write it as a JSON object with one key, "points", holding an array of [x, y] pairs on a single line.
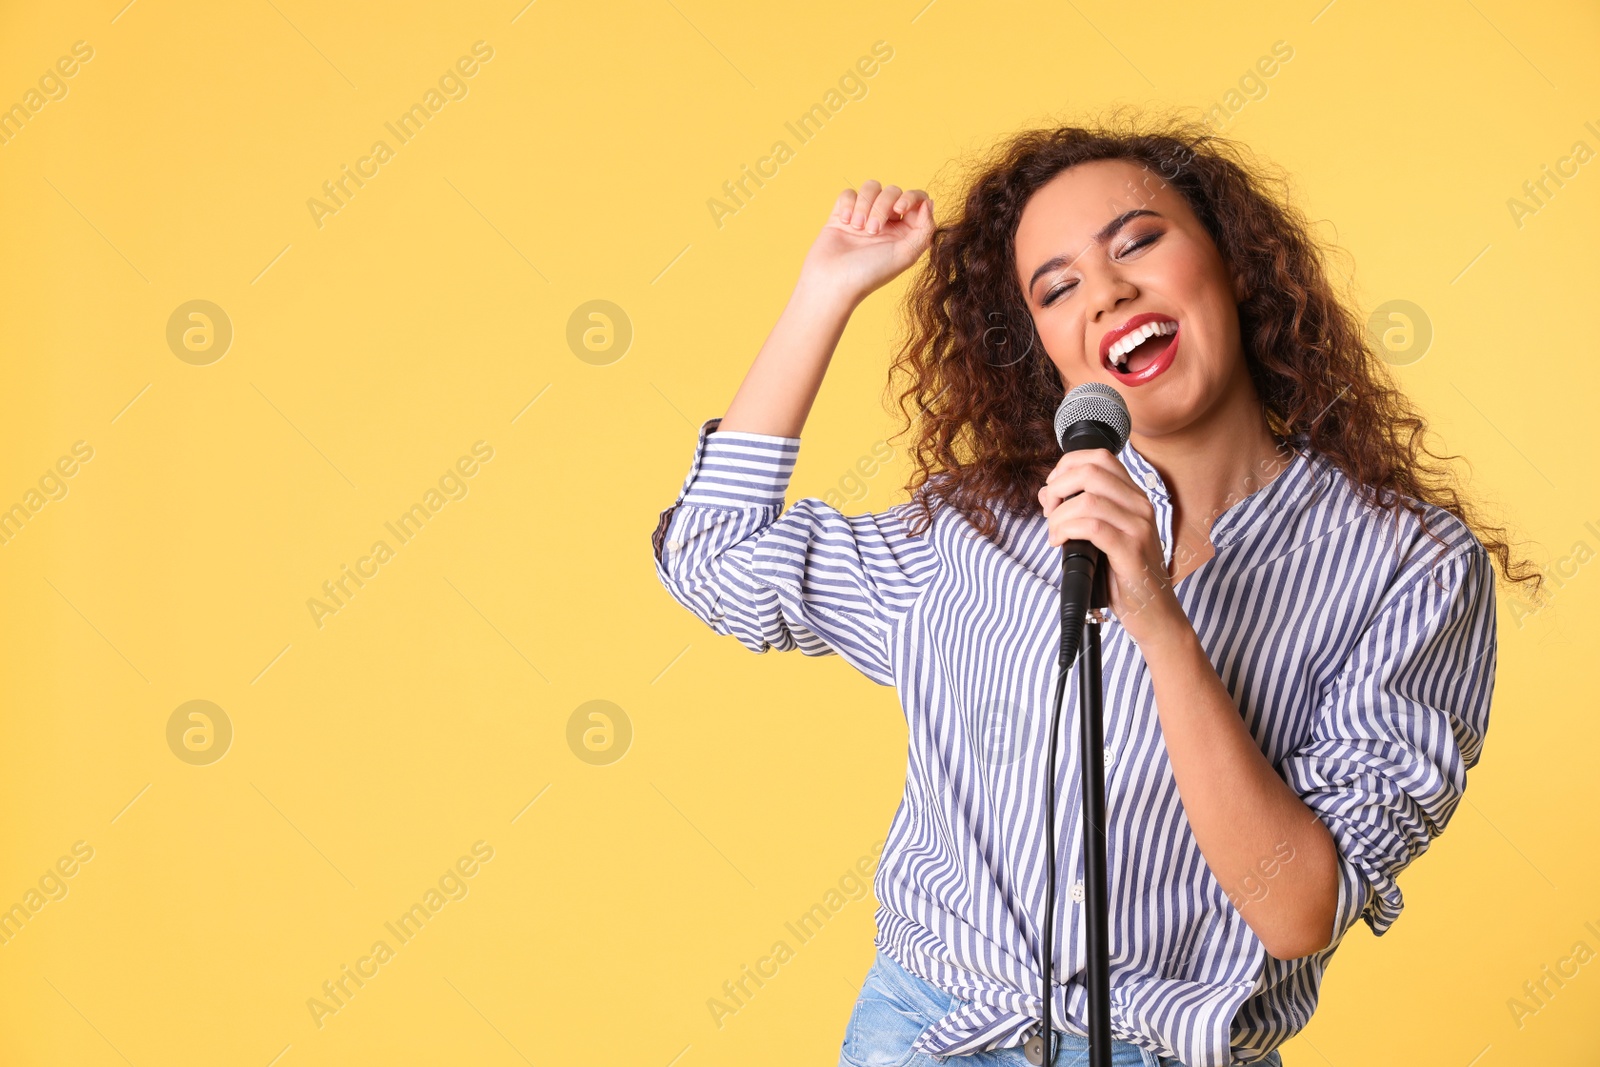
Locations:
{"points": [[895, 1007]]}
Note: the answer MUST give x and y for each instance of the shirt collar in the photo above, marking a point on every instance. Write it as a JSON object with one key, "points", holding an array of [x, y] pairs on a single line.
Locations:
{"points": [[1241, 511], [1143, 473]]}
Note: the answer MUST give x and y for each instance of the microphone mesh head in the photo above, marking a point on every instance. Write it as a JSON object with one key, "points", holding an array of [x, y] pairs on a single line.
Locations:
{"points": [[1097, 402]]}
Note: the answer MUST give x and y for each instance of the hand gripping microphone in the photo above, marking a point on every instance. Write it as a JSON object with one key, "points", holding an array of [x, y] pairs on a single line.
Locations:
{"points": [[1092, 415]]}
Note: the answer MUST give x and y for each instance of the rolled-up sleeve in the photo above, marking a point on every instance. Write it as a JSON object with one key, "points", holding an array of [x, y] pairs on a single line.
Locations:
{"points": [[1398, 729], [810, 577]]}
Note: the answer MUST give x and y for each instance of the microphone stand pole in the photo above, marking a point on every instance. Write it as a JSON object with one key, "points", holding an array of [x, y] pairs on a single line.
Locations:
{"points": [[1097, 966]]}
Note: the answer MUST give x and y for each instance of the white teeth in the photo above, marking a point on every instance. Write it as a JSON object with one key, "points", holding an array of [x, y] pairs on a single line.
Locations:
{"points": [[1118, 353]]}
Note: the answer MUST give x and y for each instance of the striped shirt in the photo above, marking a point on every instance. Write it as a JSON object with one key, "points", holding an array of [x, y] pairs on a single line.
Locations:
{"points": [[1362, 661]]}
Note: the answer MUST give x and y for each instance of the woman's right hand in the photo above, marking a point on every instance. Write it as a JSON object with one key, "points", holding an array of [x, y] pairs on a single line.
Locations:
{"points": [[848, 254]]}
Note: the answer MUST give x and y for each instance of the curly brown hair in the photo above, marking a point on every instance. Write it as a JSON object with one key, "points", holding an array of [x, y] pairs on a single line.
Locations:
{"points": [[986, 434]]}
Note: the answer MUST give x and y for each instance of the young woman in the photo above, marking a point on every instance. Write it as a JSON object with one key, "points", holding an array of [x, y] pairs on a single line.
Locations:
{"points": [[1299, 666]]}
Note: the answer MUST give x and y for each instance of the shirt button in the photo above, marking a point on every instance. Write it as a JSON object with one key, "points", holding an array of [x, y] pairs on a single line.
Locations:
{"points": [[1077, 892], [1151, 479], [674, 545], [1108, 755]]}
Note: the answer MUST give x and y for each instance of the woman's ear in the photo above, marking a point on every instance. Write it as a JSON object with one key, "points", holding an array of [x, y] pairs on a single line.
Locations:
{"points": [[1240, 290]]}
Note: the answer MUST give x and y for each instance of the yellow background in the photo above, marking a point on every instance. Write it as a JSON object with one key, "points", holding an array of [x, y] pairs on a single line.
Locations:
{"points": [[431, 312]]}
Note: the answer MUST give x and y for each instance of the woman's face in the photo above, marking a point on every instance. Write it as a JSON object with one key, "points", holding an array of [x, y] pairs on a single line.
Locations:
{"points": [[1106, 243]]}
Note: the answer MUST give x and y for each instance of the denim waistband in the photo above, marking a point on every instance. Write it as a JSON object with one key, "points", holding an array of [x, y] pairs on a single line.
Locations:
{"points": [[1071, 1047]]}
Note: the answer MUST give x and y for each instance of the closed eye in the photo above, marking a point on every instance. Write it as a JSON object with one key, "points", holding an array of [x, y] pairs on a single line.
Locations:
{"points": [[1133, 246]]}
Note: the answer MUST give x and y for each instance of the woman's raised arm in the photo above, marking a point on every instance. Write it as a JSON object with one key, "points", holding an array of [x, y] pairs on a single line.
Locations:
{"points": [[810, 577], [869, 238]]}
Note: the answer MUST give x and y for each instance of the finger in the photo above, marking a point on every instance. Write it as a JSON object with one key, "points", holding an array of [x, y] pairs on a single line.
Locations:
{"points": [[863, 204], [1082, 480], [1100, 529], [1073, 467], [882, 207], [843, 206], [916, 208], [1125, 537], [1087, 510], [1093, 478], [1097, 457], [909, 200], [1124, 550]]}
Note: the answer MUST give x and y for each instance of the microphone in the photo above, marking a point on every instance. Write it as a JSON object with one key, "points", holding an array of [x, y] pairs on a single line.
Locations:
{"points": [[1093, 415]]}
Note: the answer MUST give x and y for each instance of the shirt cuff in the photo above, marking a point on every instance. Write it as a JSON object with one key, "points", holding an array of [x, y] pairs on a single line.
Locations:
{"points": [[1354, 893], [738, 468]]}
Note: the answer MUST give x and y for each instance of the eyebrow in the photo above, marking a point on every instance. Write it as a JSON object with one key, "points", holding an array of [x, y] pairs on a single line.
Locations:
{"points": [[1108, 231]]}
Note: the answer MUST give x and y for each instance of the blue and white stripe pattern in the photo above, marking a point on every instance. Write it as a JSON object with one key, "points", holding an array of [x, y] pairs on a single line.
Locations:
{"points": [[1362, 661]]}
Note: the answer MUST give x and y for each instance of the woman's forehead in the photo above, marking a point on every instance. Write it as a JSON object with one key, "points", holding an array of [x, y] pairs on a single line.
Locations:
{"points": [[1087, 204], [1082, 199]]}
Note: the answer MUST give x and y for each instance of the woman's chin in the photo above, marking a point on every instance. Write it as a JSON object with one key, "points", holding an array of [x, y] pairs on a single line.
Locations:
{"points": [[1164, 410]]}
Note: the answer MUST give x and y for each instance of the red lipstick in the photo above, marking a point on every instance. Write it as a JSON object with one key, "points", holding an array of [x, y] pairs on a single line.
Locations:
{"points": [[1156, 366]]}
